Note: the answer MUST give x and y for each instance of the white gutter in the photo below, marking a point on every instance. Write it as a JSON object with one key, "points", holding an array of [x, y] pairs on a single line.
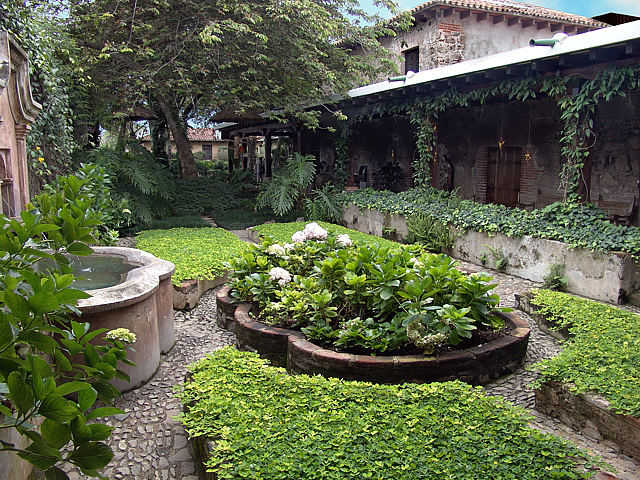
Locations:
{"points": [[573, 44]]}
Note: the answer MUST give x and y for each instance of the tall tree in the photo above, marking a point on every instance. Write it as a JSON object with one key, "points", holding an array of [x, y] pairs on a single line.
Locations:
{"points": [[185, 56]]}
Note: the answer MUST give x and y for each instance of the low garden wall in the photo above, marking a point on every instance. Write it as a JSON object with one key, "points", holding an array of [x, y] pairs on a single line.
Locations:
{"points": [[187, 295], [588, 413], [287, 348], [610, 277]]}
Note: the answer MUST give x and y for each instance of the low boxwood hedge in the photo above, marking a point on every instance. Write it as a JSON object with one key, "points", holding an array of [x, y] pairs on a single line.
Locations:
{"points": [[575, 224], [196, 252], [267, 424], [602, 354], [282, 232]]}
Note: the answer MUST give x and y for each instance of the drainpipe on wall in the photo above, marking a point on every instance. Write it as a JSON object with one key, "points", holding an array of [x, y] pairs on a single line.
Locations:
{"points": [[547, 42], [402, 78]]}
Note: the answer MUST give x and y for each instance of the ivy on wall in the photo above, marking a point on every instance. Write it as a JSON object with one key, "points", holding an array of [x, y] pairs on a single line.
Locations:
{"points": [[577, 113]]}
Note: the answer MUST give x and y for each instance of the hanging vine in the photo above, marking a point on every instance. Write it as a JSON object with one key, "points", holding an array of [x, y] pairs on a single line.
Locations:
{"points": [[342, 155], [576, 114]]}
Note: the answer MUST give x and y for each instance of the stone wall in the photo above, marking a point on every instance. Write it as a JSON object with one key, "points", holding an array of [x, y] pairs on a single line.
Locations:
{"points": [[609, 277]]}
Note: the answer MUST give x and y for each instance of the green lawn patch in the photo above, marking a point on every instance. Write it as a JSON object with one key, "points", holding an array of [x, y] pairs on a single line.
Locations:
{"points": [[282, 232], [196, 252], [603, 353], [269, 425]]}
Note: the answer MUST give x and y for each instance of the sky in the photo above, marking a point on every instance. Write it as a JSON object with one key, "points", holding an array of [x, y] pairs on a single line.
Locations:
{"points": [[587, 8]]}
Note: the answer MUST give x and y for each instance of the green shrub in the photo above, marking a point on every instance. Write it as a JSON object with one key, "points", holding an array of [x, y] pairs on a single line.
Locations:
{"points": [[196, 252], [197, 196], [282, 232], [323, 205], [603, 353], [573, 223], [269, 425], [366, 297], [241, 218]]}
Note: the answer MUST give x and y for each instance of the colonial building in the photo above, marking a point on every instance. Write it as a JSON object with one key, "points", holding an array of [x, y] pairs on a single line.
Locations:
{"points": [[451, 31], [495, 147], [207, 141], [17, 110]]}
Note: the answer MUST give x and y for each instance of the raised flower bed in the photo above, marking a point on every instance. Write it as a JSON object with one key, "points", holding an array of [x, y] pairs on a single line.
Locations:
{"points": [[325, 305], [594, 384]]}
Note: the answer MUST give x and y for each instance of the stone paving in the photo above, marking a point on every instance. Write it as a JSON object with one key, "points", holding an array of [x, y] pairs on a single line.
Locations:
{"points": [[149, 444]]}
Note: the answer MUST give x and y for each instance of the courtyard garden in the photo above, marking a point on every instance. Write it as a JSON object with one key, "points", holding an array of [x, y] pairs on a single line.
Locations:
{"points": [[252, 310]]}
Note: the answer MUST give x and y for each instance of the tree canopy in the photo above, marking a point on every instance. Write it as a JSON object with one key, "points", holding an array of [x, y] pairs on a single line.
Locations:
{"points": [[172, 60]]}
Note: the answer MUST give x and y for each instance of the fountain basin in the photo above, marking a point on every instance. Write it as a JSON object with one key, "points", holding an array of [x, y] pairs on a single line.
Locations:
{"points": [[143, 303]]}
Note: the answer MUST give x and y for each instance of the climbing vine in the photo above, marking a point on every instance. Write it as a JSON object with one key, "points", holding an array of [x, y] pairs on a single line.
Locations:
{"points": [[342, 155], [577, 113]]}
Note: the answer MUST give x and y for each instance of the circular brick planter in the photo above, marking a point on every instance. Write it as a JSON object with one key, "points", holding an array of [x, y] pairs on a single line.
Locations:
{"points": [[476, 365]]}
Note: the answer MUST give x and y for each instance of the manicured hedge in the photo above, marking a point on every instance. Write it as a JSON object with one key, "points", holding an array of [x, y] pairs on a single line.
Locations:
{"points": [[282, 232], [575, 224], [269, 425], [603, 353], [196, 252]]}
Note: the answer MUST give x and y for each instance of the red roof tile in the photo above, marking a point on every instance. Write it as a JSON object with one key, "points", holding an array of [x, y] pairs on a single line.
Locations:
{"points": [[513, 8]]}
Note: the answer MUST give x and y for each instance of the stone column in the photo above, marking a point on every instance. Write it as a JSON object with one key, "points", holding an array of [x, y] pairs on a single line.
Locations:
{"points": [[23, 171]]}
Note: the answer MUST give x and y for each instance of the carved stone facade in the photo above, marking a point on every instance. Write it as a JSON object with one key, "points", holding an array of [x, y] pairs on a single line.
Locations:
{"points": [[17, 111]]}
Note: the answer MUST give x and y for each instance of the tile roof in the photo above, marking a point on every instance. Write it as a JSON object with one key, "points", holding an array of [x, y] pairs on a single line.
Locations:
{"points": [[194, 134], [513, 8]]}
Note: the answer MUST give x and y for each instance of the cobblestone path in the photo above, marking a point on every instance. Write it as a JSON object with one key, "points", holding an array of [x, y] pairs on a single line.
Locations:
{"points": [[148, 444]]}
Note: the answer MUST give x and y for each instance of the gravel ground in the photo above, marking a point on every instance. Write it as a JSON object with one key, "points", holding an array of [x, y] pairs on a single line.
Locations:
{"points": [[149, 444]]}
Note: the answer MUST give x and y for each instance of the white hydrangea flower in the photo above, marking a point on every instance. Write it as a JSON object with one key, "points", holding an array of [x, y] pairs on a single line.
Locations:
{"points": [[298, 237], [416, 262], [281, 275], [313, 231], [289, 246], [344, 240], [276, 249], [123, 334]]}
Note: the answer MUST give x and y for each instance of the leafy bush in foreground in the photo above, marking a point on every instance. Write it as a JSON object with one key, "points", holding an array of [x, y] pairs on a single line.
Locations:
{"points": [[363, 297], [196, 252], [603, 353], [575, 224], [268, 425]]}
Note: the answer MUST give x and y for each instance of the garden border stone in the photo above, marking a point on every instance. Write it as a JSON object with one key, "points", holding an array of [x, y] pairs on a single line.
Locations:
{"points": [[187, 295], [290, 349], [585, 412], [611, 277]]}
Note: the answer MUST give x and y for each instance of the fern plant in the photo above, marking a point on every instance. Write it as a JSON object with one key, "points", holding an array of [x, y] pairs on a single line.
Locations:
{"points": [[430, 232], [137, 178], [285, 190], [323, 205]]}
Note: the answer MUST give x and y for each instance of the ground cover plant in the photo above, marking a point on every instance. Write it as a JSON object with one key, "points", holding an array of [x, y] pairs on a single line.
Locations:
{"points": [[576, 224], [282, 233], [196, 252], [268, 425], [363, 297], [602, 354]]}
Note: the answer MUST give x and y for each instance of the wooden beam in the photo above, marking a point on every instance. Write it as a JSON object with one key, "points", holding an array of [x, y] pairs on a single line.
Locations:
{"points": [[515, 70], [541, 25], [554, 27], [526, 22], [464, 14], [513, 21], [498, 19], [480, 17], [632, 48]]}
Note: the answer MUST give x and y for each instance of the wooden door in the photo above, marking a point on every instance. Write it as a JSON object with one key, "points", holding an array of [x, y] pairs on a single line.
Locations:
{"points": [[503, 175]]}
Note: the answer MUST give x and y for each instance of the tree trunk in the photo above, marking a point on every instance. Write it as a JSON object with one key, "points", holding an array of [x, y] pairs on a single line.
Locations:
{"points": [[159, 140], [185, 156]]}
